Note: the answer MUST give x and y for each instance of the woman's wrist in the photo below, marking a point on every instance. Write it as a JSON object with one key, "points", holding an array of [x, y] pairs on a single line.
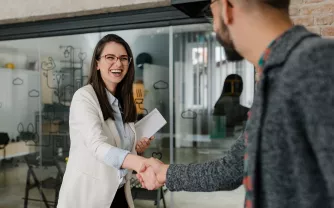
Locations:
{"points": [[133, 162]]}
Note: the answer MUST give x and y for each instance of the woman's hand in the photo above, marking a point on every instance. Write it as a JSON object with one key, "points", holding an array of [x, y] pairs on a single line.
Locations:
{"points": [[143, 144]]}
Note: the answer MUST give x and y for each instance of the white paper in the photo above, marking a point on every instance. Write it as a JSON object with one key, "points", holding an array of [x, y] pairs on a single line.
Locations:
{"points": [[150, 124]]}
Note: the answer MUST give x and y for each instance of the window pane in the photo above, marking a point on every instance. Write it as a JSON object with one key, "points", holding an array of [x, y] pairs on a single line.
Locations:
{"points": [[212, 98]]}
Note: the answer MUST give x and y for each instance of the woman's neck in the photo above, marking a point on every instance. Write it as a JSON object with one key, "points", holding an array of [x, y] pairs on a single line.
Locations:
{"points": [[111, 88]]}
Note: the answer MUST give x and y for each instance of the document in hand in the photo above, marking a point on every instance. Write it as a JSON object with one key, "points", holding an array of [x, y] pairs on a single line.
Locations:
{"points": [[150, 124]]}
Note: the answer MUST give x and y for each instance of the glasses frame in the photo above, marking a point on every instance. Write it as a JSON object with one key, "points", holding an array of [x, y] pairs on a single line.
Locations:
{"points": [[117, 58], [207, 10]]}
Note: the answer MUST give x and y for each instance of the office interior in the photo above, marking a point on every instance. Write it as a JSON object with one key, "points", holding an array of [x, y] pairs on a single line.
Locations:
{"points": [[180, 70]]}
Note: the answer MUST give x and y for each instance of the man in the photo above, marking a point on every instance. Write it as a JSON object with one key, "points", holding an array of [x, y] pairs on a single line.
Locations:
{"points": [[289, 160]]}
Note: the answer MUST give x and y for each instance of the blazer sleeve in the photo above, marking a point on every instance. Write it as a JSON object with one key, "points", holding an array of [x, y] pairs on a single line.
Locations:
{"points": [[85, 121], [225, 173]]}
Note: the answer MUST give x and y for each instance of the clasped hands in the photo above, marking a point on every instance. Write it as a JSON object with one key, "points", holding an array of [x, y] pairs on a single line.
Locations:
{"points": [[152, 174]]}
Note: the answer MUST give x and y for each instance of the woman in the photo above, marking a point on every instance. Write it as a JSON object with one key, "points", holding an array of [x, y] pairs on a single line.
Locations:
{"points": [[103, 138]]}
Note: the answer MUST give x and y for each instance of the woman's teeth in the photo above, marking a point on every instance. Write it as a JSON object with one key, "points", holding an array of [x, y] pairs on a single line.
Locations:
{"points": [[116, 71]]}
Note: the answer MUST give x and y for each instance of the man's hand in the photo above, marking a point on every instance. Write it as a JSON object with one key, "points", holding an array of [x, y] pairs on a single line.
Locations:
{"points": [[143, 144], [160, 170], [150, 179]]}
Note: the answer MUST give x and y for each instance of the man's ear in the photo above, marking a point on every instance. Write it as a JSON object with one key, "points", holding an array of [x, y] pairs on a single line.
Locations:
{"points": [[226, 12]]}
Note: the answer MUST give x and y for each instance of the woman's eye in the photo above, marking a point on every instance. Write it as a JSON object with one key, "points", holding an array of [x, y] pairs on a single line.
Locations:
{"points": [[111, 58], [124, 58]]}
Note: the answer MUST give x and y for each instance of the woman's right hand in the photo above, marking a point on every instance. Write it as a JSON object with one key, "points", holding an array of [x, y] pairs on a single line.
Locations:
{"points": [[143, 144]]}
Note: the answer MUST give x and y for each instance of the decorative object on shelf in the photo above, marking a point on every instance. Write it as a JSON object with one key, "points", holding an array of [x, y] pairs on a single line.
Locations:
{"points": [[32, 65], [10, 66], [18, 81], [138, 95], [143, 58]]}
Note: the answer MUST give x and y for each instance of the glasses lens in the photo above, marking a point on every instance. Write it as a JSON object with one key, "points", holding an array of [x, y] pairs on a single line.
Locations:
{"points": [[125, 60], [110, 59]]}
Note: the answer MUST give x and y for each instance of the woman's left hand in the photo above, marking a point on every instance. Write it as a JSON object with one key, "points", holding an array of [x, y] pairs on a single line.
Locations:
{"points": [[143, 144]]}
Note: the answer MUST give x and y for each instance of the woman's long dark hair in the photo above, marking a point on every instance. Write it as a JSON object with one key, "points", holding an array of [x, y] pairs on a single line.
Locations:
{"points": [[124, 90]]}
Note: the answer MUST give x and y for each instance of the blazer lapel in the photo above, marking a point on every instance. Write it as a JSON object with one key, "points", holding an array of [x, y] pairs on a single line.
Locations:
{"points": [[132, 127], [114, 132]]}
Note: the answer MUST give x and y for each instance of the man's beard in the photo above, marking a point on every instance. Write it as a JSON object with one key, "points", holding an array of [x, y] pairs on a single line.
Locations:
{"points": [[230, 51]]}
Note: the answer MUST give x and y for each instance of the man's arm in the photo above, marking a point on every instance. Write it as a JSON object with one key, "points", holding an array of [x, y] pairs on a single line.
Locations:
{"points": [[222, 174]]}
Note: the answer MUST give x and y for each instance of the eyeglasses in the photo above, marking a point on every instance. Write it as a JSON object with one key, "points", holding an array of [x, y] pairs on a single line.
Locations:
{"points": [[208, 13], [112, 59]]}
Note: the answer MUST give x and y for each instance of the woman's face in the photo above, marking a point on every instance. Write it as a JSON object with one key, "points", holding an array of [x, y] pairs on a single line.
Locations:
{"points": [[113, 64]]}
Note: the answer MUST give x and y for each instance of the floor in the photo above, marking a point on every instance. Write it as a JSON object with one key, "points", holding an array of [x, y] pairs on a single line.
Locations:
{"points": [[13, 178]]}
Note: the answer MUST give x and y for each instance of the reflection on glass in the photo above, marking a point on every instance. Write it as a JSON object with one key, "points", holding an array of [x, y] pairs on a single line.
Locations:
{"points": [[212, 97], [20, 99]]}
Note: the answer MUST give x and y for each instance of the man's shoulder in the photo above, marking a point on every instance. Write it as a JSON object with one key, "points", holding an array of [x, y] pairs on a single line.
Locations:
{"points": [[310, 64], [313, 50], [313, 56]]}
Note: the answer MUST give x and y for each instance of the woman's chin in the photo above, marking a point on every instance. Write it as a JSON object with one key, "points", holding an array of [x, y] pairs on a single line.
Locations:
{"points": [[115, 80]]}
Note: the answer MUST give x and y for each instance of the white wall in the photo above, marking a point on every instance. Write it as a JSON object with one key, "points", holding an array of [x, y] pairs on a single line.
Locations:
{"points": [[31, 10]]}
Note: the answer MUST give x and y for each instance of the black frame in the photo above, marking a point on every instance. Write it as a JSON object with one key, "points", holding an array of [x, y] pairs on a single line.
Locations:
{"points": [[193, 8], [136, 19]]}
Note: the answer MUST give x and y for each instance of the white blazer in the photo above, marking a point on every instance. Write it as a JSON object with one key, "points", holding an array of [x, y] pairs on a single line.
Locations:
{"points": [[88, 182]]}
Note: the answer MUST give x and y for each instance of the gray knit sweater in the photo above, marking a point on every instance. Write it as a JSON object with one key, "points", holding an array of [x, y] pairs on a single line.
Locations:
{"points": [[217, 175], [291, 131]]}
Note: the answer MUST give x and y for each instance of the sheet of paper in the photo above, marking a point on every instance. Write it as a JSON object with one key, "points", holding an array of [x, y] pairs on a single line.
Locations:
{"points": [[150, 124]]}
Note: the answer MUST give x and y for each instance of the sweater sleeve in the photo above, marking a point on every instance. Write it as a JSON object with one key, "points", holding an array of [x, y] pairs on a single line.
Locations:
{"points": [[225, 173]]}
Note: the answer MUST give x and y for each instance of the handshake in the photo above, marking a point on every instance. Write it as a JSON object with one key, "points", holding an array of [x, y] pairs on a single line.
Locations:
{"points": [[152, 174]]}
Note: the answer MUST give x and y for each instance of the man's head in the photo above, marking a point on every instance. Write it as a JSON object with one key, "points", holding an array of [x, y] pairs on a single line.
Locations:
{"points": [[231, 20], [222, 33]]}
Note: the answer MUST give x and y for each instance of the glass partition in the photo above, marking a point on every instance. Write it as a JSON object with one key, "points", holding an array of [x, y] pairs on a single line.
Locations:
{"points": [[181, 71], [212, 97], [19, 100], [38, 78]]}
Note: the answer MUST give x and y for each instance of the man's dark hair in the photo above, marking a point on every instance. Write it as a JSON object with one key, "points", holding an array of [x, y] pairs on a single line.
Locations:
{"points": [[277, 4]]}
